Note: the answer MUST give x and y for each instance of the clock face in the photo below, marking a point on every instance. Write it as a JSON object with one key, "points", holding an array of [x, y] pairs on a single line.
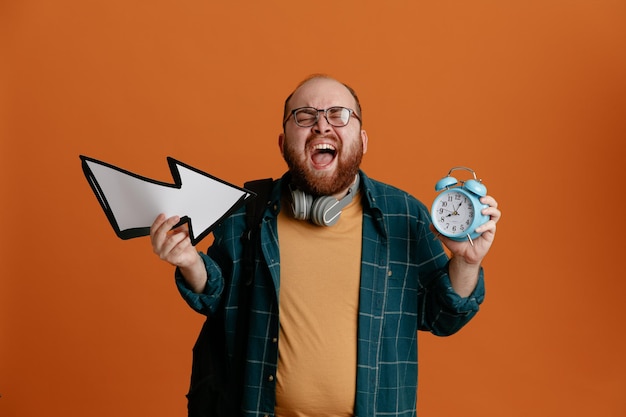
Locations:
{"points": [[453, 213]]}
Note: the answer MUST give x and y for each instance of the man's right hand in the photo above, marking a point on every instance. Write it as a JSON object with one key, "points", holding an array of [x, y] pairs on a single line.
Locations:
{"points": [[174, 246]]}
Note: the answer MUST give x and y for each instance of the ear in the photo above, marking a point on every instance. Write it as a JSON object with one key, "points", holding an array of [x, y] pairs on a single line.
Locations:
{"points": [[281, 143], [364, 140]]}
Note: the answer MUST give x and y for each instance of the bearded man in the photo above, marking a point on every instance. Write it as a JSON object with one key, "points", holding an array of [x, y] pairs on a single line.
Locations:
{"points": [[349, 270]]}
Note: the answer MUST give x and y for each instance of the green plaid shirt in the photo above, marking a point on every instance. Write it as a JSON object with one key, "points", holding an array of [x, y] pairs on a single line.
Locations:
{"points": [[404, 288]]}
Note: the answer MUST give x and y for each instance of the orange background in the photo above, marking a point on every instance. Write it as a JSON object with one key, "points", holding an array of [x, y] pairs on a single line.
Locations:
{"points": [[531, 94]]}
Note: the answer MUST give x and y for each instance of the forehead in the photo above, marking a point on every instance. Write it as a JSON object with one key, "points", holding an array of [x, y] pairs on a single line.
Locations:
{"points": [[322, 93]]}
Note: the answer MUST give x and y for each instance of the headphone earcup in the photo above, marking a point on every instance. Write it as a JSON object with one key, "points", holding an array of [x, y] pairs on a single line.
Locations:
{"points": [[301, 204], [322, 206]]}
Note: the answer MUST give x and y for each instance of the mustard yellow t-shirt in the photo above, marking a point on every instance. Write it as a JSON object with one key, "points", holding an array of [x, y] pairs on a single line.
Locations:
{"points": [[319, 299]]}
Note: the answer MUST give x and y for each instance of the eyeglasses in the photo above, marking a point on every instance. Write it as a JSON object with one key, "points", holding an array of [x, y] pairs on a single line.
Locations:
{"points": [[335, 116]]}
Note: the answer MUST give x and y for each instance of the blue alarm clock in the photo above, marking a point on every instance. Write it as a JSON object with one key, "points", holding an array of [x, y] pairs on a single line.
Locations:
{"points": [[457, 210]]}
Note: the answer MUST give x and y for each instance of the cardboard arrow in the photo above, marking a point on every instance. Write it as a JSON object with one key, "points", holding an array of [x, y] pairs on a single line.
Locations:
{"points": [[132, 202]]}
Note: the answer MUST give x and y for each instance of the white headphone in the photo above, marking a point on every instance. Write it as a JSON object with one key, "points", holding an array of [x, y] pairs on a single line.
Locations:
{"points": [[323, 210]]}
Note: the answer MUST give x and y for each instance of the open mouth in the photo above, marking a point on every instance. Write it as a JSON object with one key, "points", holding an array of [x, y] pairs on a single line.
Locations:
{"points": [[323, 154]]}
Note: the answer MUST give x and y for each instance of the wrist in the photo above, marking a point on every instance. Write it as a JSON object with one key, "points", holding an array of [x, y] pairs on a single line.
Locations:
{"points": [[461, 262], [195, 274], [463, 275], [191, 261]]}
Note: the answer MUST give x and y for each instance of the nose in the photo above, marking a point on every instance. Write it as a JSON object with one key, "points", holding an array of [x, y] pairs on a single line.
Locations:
{"points": [[322, 125]]}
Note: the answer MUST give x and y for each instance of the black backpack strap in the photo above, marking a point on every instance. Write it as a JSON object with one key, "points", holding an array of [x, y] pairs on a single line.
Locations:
{"points": [[251, 245], [254, 216], [210, 395]]}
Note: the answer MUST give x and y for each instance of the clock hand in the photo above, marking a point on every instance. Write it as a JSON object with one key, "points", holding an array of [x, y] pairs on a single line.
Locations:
{"points": [[456, 210]]}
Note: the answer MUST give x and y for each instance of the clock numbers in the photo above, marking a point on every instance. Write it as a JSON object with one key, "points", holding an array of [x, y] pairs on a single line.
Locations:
{"points": [[454, 213]]}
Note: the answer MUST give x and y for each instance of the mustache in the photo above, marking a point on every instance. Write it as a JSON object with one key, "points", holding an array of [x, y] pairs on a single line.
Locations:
{"points": [[316, 136], [329, 138]]}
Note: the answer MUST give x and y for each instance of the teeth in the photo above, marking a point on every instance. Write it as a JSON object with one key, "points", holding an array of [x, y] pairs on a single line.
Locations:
{"points": [[324, 146]]}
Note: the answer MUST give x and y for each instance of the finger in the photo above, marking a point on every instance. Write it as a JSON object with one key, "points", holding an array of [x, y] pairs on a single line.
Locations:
{"points": [[173, 244], [163, 222], [487, 227], [168, 224], [489, 200], [492, 212], [159, 230], [183, 228], [176, 250]]}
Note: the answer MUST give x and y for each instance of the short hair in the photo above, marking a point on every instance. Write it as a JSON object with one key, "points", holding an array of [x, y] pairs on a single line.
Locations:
{"points": [[328, 77]]}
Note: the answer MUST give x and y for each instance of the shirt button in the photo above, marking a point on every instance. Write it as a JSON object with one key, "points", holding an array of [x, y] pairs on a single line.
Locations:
{"points": [[274, 339], [270, 378]]}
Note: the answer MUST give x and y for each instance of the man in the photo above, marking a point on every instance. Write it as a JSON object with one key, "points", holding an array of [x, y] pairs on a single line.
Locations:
{"points": [[338, 300]]}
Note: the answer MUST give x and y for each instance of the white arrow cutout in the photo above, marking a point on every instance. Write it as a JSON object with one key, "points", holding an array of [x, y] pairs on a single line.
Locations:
{"points": [[132, 202]]}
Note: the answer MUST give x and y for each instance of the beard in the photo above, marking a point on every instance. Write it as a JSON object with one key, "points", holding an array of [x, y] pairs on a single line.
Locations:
{"points": [[328, 183]]}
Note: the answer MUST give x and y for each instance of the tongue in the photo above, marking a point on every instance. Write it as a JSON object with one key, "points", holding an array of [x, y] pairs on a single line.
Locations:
{"points": [[322, 158]]}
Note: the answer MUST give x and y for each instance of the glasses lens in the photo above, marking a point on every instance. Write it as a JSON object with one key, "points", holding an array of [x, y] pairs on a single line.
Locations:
{"points": [[338, 116], [308, 116], [305, 117]]}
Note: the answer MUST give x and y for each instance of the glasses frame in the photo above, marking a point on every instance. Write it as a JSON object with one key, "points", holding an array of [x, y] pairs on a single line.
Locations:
{"points": [[317, 117]]}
